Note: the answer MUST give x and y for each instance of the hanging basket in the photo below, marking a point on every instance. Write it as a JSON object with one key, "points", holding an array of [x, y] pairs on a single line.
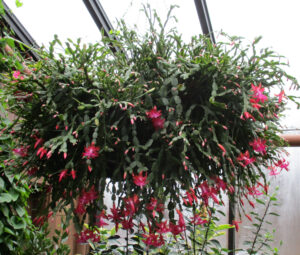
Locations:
{"points": [[159, 119]]}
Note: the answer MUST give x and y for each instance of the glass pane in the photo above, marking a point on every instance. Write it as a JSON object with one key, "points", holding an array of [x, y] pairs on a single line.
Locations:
{"points": [[130, 10], [67, 19], [276, 21]]}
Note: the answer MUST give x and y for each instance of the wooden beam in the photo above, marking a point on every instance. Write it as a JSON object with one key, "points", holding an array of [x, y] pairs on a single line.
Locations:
{"points": [[292, 139]]}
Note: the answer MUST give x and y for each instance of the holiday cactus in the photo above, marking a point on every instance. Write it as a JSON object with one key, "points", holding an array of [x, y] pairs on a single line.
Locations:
{"points": [[159, 123]]}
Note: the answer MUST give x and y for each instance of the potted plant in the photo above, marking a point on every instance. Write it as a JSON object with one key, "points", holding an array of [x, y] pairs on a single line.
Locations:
{"points": [[160, 124]]}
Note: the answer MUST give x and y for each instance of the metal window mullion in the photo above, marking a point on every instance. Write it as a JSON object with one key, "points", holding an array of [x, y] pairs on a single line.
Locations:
{"points": [[204, 19], [19, 30]]}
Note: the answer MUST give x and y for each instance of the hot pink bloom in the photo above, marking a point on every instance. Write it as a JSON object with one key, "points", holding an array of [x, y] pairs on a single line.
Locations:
{"points": [[280, 96], [191, 197], [73, 174], [236, 225], [115, 216], [88, 235], [38, 142], [248, 216], [39, 221], [41, 151], [32, 171], [273, 172], [153, 240], [140, 180], [259, 145], [16, 74], [175, 229], [247, 116], [282, 164], [197, 220], [152, 205], [223, 149], [251, 203], [85, 198], [181, 222], [131, 204], [158, 123], [127, 224], [63, 174], [80, 209], [258, 93], [245, 159], [208, 192], [220, 183], [21, 151], [91, 151], [162, 227], [255, 103], [253, 191], [101, 223], [153, 113]]}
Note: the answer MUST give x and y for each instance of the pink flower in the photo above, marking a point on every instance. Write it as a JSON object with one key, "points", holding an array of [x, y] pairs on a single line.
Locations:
{"points": [[223, 149], [140, 180], [280, 96], [255, 103], [73, 174], [259, 145], [32, 171], [251, 203], [21, 151], [152, 205], [153, 240], [162, 227], [236, 225], [153, 113], [63, 174], [273, 171], [197, 220], [155, 116], [258, 93], [220, 183], [88, 235], [175, 229], [208, 192], [253, 191], [91, 151], [245, 159], [127, 224], [38, 142], [115, 216], [80, 209], [247, 116], [191, 197], [181, 222], [248, 216], [16, 74], [41, 151], [101, 223], [158, 123], [85, 198], [282, 164], [131, 204], [39, 221]]}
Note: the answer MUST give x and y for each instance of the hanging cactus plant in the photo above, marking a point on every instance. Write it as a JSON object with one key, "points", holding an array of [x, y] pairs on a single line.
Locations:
{"points": [[160, 123]]}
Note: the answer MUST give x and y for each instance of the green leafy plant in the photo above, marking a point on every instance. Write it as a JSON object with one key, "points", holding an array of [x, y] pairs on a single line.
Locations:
{"points": [[2, 12], [14, 192], [262, 236], [39, 242]]}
